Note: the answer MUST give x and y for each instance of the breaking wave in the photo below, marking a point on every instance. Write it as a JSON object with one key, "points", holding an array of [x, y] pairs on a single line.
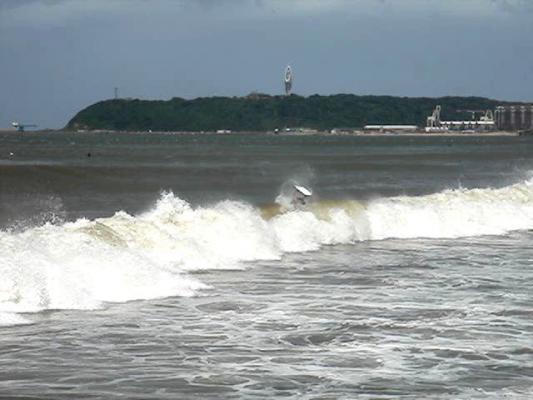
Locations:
{"points": [[83, 264]]}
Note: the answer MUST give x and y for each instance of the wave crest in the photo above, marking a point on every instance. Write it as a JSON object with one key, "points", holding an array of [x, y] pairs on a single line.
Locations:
{"points": [[83, 264]]}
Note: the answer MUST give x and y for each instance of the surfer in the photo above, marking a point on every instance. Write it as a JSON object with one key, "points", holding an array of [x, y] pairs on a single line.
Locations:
{"points": [[301, 196]]}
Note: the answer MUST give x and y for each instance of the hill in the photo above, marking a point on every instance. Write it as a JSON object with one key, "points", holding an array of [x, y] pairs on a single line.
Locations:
{"points": [[264, 113]]}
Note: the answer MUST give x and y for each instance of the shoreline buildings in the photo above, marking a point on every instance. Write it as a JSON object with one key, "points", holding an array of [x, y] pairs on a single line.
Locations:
{"points": [[484, 124], [504, 118], [514, 117]]}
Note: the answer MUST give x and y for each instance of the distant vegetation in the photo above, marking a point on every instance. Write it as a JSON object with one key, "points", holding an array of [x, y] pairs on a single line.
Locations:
{"points": [[259, 112]]}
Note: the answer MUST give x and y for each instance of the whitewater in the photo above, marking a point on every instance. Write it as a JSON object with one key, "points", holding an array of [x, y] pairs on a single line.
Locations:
{"points": [[86, 263]]}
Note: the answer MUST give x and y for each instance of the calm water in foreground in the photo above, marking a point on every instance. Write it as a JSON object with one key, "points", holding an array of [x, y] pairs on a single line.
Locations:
{"points": [[160, 267]]}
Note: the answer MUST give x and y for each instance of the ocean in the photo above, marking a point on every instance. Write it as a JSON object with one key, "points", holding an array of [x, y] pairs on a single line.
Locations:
{"points": [[166, 266]]}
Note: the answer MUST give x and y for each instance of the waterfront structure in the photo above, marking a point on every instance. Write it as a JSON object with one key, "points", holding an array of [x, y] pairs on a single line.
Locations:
{"points": [[433, 121], [435, 124], [391, 128], [514, 117], [288, 80], [22, 127]]}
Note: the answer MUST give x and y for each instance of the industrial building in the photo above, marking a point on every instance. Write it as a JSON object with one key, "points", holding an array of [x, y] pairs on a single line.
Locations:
{"points": [[514, 117], [484, 124], [504, 118], [391, 128]]}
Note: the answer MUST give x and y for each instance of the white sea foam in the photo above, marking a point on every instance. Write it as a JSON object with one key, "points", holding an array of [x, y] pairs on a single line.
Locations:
{"points": [[83, 264], [9, 319], [453, 213]]}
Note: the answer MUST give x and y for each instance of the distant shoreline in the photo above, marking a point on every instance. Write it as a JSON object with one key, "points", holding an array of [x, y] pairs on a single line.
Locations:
{"points": [[264, 113], [359, 133]]}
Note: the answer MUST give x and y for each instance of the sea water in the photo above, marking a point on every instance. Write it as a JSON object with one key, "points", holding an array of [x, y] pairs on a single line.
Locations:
{"points": [[160, 266]]}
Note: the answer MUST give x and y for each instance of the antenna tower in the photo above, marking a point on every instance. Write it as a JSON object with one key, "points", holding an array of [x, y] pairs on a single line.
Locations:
{"points": [[288, 80]]}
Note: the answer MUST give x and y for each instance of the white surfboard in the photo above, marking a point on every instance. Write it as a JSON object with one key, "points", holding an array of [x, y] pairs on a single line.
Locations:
{"points": [[303, 190]]}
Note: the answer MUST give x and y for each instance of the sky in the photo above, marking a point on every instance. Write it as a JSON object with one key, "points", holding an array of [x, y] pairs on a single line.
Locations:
{"points": [[60, 56]]}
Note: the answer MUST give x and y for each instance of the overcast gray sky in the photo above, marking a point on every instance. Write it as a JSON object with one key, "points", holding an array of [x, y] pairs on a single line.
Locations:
{"points": [[59, 56]]}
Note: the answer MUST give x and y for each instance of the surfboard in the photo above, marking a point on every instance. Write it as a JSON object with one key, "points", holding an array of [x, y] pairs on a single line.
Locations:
{"points": [[303, 190]]}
